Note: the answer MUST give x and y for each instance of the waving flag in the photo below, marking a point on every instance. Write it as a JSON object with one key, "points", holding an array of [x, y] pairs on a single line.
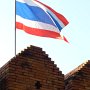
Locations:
{"points": [[39, 19]]}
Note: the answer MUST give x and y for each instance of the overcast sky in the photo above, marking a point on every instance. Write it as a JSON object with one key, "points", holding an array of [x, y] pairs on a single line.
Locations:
{"points": [[66, 56]]}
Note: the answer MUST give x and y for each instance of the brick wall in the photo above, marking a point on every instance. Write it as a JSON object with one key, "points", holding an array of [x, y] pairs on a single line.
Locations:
{"points": [[79, 78], [31, 69]]}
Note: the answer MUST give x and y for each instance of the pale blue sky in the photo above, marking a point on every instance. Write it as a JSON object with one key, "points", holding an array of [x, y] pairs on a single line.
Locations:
{"points": [[66, 56]]}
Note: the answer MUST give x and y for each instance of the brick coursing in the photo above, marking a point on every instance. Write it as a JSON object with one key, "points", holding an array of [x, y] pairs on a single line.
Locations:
{"points": [[31, 69]]}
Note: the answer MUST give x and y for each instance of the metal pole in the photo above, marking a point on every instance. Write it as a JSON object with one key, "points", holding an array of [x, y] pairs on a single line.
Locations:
{"points": [[15, 27]]}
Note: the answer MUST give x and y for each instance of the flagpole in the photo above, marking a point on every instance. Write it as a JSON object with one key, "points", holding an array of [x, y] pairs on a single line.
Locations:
{"points": [[15, 28]]}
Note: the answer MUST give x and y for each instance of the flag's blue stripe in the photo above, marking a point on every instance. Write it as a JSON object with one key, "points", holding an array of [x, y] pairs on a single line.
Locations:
{"points": [[55, 21], [32, 13]]}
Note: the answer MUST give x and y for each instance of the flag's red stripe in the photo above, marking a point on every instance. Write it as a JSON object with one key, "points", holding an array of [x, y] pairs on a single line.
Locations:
{"points": [[61, 17], [64, 38], [36, 31]]}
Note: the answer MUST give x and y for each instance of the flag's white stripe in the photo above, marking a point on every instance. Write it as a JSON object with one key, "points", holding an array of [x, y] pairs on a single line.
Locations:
{"points": [[29, 2], [21, 1], [36, 24]]}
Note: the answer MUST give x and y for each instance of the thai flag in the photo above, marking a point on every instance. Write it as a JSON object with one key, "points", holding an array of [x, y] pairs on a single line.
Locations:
{"points": [[39, 19]]}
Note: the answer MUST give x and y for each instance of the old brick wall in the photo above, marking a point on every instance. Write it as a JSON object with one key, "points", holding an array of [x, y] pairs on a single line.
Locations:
{"points": [[79, 78], [32, 69]]}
